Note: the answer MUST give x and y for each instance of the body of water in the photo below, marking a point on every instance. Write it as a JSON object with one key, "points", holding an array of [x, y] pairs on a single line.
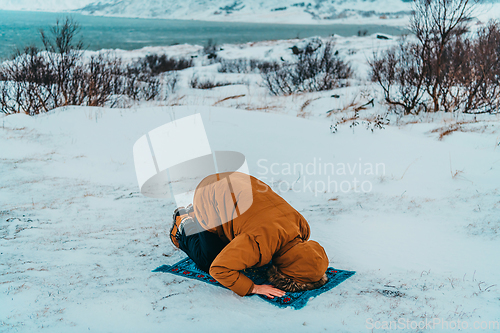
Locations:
{"points": [[19, 28]]}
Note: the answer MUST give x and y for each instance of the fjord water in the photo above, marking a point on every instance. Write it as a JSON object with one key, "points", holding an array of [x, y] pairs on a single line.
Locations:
{"points": [[20, 28]]}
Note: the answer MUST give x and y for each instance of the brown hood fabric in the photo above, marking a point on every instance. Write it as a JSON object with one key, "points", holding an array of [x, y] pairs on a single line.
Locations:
{"points": [[260, 226], [283, 282], [300, 268]]}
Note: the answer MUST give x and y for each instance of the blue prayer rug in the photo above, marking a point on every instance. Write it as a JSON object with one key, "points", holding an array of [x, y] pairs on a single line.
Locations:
{"points": [[187, 268]]}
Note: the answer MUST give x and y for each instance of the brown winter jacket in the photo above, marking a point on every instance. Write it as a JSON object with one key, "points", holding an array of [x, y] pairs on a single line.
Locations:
{"points": [[260, 226]]}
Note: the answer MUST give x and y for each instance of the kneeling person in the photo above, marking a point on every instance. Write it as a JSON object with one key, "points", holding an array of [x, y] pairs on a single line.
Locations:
{"points": [[237, 222]]}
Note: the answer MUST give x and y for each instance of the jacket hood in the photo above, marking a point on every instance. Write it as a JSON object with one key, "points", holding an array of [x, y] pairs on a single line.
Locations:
{"points": [[302, 266], [280, 281]]}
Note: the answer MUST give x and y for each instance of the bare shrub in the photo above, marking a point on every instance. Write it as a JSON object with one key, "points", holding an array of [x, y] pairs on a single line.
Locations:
{"points": [[234, 66], [170, 82], [279, 81], [138, 85], [94, 80], [317, 68], [244, 65], [196, 83], [436, 23], [210, 49], [446, 68], [400, 72], [36, 81], [26, 83], [62, 37], [156, 64], [478, 76]]}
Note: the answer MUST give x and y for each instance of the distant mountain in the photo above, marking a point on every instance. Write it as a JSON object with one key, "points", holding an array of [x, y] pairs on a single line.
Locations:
{"points": [[43, 5], [246, 10], [291, 11]]}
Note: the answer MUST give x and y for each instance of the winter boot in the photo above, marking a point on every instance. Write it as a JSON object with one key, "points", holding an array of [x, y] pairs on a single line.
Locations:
{"points": [[179, 216]]}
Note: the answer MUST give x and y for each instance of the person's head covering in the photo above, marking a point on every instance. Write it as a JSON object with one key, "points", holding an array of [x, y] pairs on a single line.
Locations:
{"points": [[302, 267]]}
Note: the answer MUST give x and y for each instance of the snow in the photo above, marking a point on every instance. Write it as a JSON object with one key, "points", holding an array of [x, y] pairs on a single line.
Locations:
{"points": [[276, 11], [43, 5], [78, 241], [382, 12]]}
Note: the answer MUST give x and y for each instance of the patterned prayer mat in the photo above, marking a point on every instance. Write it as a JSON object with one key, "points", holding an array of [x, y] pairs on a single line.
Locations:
{"points": [[187, 268]]}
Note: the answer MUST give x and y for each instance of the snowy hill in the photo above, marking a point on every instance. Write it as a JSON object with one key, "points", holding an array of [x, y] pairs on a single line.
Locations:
{"points": [[292, 11], [79, 242], [43, 5], [384, 12], [280, 11]]}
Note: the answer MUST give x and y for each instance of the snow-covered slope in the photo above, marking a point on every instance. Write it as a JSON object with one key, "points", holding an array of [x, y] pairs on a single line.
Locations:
{"points": [[78, 242], [292, 11], [279, 11], [43, 5], [384, 12]]}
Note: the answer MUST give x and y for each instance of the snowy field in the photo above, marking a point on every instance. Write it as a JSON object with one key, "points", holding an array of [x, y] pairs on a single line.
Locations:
{"points": [[413, 208]]}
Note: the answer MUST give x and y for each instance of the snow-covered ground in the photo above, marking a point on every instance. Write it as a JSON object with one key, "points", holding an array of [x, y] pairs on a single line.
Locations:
{"points": [[418, 222]]}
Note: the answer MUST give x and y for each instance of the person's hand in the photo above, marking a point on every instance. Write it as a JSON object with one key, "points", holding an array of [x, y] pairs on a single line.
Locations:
{"points": [[267, 290]]}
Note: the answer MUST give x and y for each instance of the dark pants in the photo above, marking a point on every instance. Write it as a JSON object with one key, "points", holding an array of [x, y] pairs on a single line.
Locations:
{"points": [[201, 246]]}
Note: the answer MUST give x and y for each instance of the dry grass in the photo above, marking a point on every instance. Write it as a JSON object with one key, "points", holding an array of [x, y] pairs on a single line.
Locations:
{"points": [[457, 174], [14, 129], [347, 119], [360, 100], [228, 98], [458, 127], [352, 105], [176, 101], [302, 113], [409, 165]]}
